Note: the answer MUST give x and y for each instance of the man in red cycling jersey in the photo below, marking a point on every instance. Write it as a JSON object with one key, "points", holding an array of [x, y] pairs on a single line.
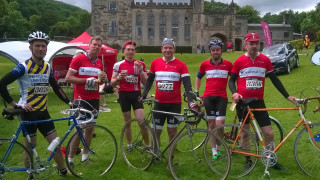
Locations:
{"points": [[217, 71], [169, 72], [249, 71], [83, 73], [128, 74]]}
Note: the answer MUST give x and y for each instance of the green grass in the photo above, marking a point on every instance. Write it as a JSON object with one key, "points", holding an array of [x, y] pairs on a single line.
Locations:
{"points": [[304, 78]]}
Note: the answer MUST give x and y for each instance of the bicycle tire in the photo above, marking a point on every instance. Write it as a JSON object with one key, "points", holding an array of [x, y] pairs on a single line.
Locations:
{"points": [[203, 124], [16, 160], [238, 162], [306, 152], [184, 164], [141, 155], [278, 131], [101, 161]]}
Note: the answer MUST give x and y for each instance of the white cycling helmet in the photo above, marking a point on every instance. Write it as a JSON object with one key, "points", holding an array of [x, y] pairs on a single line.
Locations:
{"points": [[38, 35]]}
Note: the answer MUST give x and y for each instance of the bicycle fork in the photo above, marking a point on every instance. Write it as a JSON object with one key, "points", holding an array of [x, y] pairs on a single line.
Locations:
{"points": [[190, 134]]}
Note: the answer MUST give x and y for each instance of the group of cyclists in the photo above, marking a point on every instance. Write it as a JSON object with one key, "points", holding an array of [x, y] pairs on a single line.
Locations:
{"points": [[245, 78]]}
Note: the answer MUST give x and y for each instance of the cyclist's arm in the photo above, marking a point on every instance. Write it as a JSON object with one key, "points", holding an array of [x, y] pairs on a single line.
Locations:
{"points": [[197, 84], [4, 82], [232, 82], [187, 87], [58, 91], [149, 83], [277, 83], [114, 79]]}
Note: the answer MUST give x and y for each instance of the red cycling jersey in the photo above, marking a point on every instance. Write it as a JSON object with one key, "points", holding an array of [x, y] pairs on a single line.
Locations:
{"points": [[216, 77], [168, 79], [132, 81], [252, 73], [84, 68]]}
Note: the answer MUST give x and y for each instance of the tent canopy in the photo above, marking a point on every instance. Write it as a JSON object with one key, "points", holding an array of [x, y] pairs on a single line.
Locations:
{"points": [[83, 41], [18, 51]]}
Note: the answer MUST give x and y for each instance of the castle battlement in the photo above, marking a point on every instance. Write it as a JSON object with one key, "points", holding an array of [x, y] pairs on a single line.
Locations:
{"points": [[160, 4]]}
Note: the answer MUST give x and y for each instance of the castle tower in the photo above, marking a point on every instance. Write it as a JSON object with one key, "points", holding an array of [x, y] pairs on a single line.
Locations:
{"points": [[112, 20], [198, 24]]}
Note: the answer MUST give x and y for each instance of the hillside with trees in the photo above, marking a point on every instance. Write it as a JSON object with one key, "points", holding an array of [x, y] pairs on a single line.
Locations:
{"points": [[20, 17]]}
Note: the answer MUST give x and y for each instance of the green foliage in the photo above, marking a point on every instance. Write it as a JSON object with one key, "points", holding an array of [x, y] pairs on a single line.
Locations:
{"points": [[250, 12], [297, 44], [214, 6], [20, 17]]}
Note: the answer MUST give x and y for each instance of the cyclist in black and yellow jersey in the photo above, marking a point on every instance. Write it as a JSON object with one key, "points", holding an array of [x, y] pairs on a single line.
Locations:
{"points": [[34, 78]]}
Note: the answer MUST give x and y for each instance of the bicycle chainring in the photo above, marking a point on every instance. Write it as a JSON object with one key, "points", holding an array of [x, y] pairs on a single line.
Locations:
{"points": [[270, 156]]}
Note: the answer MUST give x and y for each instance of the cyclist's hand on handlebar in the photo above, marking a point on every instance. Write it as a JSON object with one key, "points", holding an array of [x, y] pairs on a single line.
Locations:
{"points": [[292, 99], [236, 97], [194, 107], [142, 97]]}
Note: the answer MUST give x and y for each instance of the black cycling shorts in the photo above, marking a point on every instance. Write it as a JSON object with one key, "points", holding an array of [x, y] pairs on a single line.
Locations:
{"points": [[161, 118], [262, 117], [215, 107], [45, 128], [128, 99], [93, 103]]}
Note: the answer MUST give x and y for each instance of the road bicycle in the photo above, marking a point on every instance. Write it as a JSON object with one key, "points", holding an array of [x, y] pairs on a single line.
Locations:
{"points": [[16, 161], [146, 149], [243, 143]]}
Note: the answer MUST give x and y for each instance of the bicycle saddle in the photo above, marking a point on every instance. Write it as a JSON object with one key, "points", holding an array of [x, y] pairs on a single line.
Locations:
{"points": [[10, 113]]}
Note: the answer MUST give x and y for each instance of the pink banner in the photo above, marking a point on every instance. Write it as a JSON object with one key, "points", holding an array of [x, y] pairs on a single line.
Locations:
{"points": [[266, 33]]}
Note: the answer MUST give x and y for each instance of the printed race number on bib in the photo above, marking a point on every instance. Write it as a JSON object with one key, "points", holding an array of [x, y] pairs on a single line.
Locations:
{"points": [[165, 86], [253, 83], [93, 87], [132, 79], [41, 90]]}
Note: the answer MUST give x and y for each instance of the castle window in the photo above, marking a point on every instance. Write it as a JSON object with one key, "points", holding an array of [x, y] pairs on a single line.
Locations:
{"points": [[113, 28], [187, 21], [238, 28], [112, 6], [286, 35], [139, 20], [175, 25], [218, 21], [162, 30], [150, 25], [139, 31]]}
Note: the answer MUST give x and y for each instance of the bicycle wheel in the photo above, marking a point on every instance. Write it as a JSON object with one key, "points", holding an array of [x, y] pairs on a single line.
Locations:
{"points": [[137, 155], [191, 164], [240, 164], [17, 160], [278, 132], [101, 161], [307, 151], [203, 124]]}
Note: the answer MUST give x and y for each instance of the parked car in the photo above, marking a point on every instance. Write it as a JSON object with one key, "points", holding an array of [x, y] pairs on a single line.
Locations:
{"points": [[283, 57]]}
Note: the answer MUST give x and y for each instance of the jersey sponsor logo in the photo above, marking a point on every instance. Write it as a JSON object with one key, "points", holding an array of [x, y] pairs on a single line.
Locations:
{"points": [[89, 71], [167, 76], [216, 74], [131, 79], [253, 83], [252, 71], [165, 86], [38, 78]]}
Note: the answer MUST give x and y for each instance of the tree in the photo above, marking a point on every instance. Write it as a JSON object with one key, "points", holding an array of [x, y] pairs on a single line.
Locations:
{"points": [[250, 12]]}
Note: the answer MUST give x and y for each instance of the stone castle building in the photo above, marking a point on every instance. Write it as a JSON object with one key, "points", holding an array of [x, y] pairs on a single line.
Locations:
{"points": [[118, 21]]}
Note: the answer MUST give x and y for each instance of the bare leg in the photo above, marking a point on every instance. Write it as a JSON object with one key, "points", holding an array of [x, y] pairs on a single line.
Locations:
{"points": [[139, 114], [128, 132], [58, 157], [172, 132]]}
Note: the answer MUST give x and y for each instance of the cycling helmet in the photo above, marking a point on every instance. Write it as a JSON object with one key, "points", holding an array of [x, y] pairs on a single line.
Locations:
{"points": [[38, 35], [215, 42]]}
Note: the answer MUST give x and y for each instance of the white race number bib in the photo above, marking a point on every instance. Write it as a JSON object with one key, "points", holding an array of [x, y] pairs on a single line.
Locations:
{"points": [[131, 79], [253, 83], [165, 86]]}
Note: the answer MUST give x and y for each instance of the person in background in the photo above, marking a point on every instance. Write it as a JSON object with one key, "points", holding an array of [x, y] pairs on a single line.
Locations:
{"points": [[306, 44], [217, 71], [34, 96]]}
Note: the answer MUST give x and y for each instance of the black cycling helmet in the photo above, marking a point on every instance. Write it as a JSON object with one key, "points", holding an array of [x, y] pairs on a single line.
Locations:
{"points": [[215, 42], [38, 35]]}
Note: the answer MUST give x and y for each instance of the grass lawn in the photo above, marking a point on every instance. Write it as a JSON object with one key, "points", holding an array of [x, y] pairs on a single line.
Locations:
{"points": [[301, 79]]}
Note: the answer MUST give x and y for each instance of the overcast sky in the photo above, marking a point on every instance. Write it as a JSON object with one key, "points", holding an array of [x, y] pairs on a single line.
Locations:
{"points": [[264, 6]]}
